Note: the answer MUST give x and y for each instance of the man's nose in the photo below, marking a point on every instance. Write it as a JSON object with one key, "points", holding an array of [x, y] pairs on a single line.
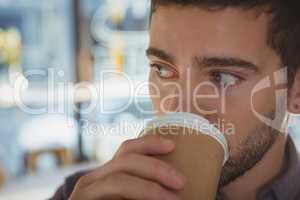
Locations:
{"points": [[170, 101], [179, 99], [189, 98]]}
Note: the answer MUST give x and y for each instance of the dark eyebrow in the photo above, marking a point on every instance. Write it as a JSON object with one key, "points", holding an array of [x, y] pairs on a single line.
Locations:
{"points": [[151, 51], [205, 62]]}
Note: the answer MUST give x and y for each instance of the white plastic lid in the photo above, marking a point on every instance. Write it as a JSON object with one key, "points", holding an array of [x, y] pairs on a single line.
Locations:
{"points": [[192, 121]]}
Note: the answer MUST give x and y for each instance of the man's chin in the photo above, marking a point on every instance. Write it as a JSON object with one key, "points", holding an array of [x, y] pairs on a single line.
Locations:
{"points": [[252, 151], [231, 171]]}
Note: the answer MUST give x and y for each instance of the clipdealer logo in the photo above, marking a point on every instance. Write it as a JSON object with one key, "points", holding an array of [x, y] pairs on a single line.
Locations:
{"points": [[280, 116]]}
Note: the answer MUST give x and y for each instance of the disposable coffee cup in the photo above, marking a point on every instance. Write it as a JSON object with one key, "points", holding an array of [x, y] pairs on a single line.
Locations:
{"points": [[200, 153]]}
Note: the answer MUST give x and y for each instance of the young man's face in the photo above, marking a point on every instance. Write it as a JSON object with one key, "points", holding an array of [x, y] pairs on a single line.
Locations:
{"points": [[208, 63]]}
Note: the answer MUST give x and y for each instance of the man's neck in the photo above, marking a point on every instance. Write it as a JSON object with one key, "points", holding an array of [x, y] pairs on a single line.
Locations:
{"points": [[247, 186]]}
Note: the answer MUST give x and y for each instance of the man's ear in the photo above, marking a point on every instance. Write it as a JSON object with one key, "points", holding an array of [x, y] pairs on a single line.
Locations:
{"points": [[294, 96]]}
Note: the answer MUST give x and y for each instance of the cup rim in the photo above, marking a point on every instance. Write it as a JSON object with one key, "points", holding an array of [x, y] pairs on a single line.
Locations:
{"points": [[193, 121]]}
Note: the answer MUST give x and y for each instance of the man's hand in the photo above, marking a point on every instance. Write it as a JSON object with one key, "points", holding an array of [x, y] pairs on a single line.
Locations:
{"points": [[133, 173]]}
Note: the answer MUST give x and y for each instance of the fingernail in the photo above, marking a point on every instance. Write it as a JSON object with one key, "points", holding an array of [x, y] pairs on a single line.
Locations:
{"points": [[168, 142], [177, 177]]}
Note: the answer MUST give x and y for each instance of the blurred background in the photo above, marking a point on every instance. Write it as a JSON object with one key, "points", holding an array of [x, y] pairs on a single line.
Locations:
{"points": [[53, 52], [56, 58]]}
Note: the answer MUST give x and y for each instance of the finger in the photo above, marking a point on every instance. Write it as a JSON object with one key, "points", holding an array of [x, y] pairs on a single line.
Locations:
{"points": [[145, 167], [151, 144], [148, 145], [122, 185]]}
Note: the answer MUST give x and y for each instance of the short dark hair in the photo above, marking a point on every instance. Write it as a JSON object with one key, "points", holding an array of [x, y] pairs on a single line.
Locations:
{"points": [[284, 29]]}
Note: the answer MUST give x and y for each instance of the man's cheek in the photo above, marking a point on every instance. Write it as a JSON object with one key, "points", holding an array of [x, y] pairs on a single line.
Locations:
{"points": [[263, 101]]}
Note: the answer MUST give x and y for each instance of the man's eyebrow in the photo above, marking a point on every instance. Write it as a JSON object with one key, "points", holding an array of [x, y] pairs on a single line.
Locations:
{"points": [[206, 62], [151, 51]]}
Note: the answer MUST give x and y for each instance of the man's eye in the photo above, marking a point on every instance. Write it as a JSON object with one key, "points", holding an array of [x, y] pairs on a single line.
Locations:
{"points": [[224, 79], [163, 72]]}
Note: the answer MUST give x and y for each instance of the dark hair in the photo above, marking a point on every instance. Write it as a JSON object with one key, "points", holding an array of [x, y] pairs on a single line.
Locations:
{"points": [[284, 29]]}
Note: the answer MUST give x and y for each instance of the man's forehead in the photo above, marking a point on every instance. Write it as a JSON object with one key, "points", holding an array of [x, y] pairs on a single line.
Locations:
{"points": [[198, 27], [229, 33], [177, 12]]}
